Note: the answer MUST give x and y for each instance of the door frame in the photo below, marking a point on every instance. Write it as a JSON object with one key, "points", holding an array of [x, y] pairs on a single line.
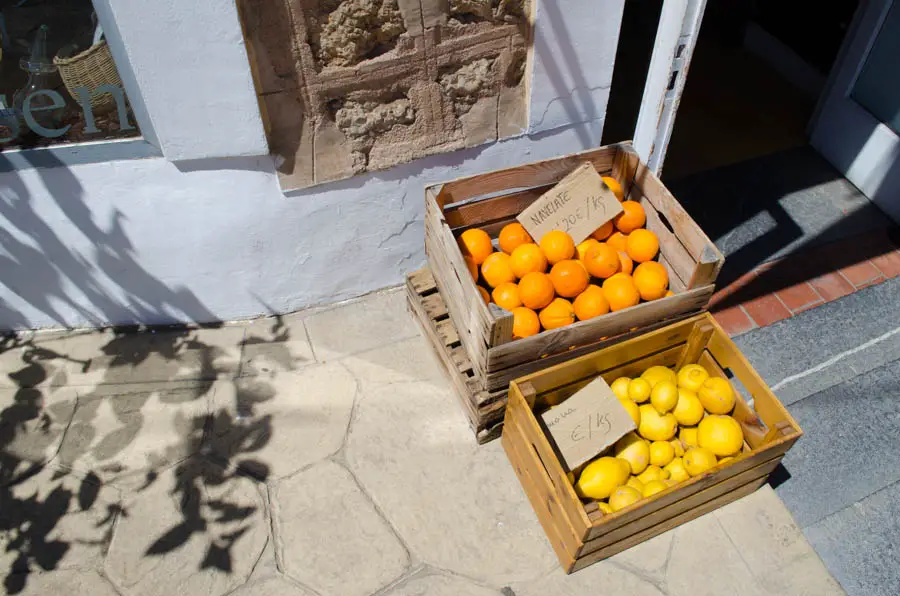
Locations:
{"points": [[865, 150], [676, 38]]}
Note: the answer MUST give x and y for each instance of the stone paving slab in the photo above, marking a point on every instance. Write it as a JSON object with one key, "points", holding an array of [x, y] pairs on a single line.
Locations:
{"points": [[195, 529], [121, 432], [330, 535], [361, 325], [859, 543], [275, 344], [322, 453], [53, 519], [849, 450], [283, 422], [33, 423]]}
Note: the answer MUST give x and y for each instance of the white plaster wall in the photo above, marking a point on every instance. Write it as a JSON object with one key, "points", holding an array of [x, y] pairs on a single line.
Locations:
{"points": [[189, 63], [144, 241], [164, 240], [572, 61]]}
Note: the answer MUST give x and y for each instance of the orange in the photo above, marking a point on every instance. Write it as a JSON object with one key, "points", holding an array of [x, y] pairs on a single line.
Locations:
{"points": [[557, 246], [617, 240], [497, 269], [528, 258], [581, 249], [602, 261], [590, 303], [620, 292], [525, 322], [558, 313], [603, 232], [536, 290], [477, 244], [632, 218], [484, 295], [669, 293], [626, 265], [513, 236], [614, 186], [506, 295], [642, 245], [652, 280], [473, 268], [569, 278]]}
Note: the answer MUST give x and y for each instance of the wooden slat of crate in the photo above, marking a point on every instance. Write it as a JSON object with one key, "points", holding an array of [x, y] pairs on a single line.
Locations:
{"points": [[540, 493], [692, 512], [696, 338], [484, 410], [662, 514], [541, 173], [560, 340]]}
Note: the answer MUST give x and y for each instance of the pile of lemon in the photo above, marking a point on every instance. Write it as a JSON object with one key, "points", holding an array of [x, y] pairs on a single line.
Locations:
{"points": [[683, 429]]}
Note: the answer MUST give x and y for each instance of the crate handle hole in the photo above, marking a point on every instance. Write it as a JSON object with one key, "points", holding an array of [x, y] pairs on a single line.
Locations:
{"points": [[665, 222]]}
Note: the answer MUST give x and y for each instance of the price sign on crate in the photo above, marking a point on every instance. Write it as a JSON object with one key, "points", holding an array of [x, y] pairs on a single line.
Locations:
{"points": [[587, 423], [579, 204]]}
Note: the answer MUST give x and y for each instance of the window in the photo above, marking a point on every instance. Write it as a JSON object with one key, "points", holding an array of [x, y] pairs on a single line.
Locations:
{"points": [[58, 81]]}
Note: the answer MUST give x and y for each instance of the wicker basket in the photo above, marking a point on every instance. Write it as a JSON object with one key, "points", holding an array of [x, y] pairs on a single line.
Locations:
{"points": [[91, 68]]}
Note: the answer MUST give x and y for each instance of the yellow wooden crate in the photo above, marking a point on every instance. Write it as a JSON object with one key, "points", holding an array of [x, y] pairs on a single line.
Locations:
{"points": [[579, 532]]}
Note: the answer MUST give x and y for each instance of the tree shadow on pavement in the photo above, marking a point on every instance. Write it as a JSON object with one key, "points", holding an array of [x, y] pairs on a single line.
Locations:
{"points": [[66, 438]]}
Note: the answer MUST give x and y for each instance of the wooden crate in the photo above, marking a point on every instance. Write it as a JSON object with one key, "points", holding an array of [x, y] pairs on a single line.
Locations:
{"points": [[490, 201], [579, 532], [484, 410]]}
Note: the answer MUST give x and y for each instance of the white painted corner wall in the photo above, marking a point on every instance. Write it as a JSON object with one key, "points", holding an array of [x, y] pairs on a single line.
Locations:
{"points": [[189, 62], [162, 240]]}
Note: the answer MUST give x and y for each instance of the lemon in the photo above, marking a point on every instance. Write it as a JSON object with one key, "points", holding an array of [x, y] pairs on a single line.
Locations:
{"points": [[655, 426], [604, 507], [725, 460], [632, 409], [653, 487], [692, 376], [620, 387], [634, 450], [639, 390], [624, 496], [633, 482], [600, 477], [655, 374], [664, 396], [661, 453], [720, 434], [678, 447], [688, 436], [716, 395], [688, 411], [676, 470], [698, 460], [653, 473]]}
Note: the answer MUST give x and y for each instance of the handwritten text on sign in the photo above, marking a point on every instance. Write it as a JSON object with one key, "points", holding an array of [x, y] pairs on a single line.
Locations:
{"points": [[587, 423], [578, 205]]}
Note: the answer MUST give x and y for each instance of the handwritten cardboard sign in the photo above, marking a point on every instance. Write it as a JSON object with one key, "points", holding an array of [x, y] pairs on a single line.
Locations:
{"points": [[587, 423], [579, 204]]}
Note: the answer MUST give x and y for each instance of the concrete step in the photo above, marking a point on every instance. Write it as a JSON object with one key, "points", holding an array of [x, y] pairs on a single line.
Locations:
{"points": [[828, 345]]}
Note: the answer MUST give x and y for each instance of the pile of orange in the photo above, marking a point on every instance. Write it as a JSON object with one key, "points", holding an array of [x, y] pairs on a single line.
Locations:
{"points": [[553, 283]]}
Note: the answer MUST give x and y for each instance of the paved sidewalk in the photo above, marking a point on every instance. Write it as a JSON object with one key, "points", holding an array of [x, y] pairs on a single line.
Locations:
{"points": [[321, 453]]}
